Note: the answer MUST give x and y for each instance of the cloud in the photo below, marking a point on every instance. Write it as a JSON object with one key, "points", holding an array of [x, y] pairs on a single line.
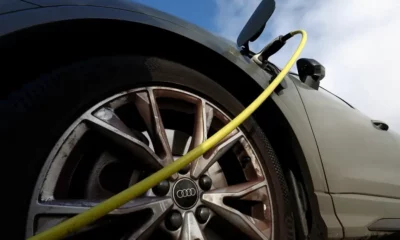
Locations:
{"points": [[357, 41]]}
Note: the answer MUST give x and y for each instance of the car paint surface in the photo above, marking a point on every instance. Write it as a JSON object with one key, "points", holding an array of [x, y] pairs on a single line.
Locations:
{"points": [[7, 6], [357, 157], [361, 164]]}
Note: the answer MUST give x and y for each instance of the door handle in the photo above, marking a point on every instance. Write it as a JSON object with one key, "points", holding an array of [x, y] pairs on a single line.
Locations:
{"points": [[380, 125]]}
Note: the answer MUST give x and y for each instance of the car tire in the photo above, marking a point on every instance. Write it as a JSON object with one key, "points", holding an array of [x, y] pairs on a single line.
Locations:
{"points": [[36, 115]]}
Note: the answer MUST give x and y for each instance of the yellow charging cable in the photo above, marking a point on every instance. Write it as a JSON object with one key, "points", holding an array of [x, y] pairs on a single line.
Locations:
{"points": [[75, 223]]}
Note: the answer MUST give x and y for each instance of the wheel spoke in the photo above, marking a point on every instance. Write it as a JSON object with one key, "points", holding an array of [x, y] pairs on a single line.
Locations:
{"points": [[52, 178], [256, 227], [149, 111], [191, 229], [159, 207], [69, 207], [108, 123], [203, 119], [203, 163], [160, 210]]}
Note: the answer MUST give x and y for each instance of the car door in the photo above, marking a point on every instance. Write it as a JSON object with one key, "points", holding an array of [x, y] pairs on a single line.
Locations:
{"points": [[361, 160], [358, 156]]}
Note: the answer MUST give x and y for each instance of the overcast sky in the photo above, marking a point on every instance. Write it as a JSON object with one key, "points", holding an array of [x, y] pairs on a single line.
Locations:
{"points": [[358, 42]]}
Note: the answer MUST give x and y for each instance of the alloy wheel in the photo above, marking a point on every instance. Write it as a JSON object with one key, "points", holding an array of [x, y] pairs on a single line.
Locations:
{"points": [[130, 135]]}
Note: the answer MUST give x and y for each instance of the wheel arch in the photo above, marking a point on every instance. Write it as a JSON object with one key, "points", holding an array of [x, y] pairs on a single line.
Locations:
{"points": [[38, 49]]}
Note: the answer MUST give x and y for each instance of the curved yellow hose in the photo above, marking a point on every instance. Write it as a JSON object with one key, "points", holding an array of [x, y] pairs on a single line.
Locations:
{"points": [[75, 223]]}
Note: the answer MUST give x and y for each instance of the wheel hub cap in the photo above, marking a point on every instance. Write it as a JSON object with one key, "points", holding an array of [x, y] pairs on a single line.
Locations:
{"points": [[185, 193]]}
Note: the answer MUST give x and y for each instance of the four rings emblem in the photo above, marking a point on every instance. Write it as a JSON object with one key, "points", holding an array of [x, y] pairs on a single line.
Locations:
{"points": [[184, 193]]}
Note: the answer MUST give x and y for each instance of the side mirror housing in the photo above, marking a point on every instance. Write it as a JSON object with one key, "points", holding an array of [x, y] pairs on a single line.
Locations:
{"points": [[310, 72]]}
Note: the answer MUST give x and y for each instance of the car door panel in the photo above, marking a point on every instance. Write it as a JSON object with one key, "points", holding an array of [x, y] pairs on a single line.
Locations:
{"points": [[357, 157]]}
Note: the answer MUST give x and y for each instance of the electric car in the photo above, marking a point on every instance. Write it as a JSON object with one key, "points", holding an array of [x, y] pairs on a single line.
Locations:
{"points": [[98, 95]]}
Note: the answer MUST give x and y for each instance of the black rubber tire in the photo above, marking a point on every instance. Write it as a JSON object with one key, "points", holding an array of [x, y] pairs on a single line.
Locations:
{"points": [[38, 114]]}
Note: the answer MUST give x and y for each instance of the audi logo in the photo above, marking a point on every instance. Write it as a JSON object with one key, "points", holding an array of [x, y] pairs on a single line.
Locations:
{"points": [[184, 193]]}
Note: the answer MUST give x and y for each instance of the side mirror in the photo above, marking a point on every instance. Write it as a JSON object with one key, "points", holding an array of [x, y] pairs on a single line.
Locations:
{"points": [[310, 72], [255, 26]]}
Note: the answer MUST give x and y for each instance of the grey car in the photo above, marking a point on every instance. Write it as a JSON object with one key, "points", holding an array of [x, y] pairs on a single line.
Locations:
{"points": [[97, 95]]}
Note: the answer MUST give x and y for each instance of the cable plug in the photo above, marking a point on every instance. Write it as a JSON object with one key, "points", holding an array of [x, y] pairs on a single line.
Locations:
{"points": [[271, 48]]}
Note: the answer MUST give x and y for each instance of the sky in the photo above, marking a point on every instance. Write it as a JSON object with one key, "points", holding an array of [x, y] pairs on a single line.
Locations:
{"points": [[358, 42]]}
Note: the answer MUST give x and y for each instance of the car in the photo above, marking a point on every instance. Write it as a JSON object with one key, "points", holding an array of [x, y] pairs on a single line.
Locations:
{"points": [[98, 95]]}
